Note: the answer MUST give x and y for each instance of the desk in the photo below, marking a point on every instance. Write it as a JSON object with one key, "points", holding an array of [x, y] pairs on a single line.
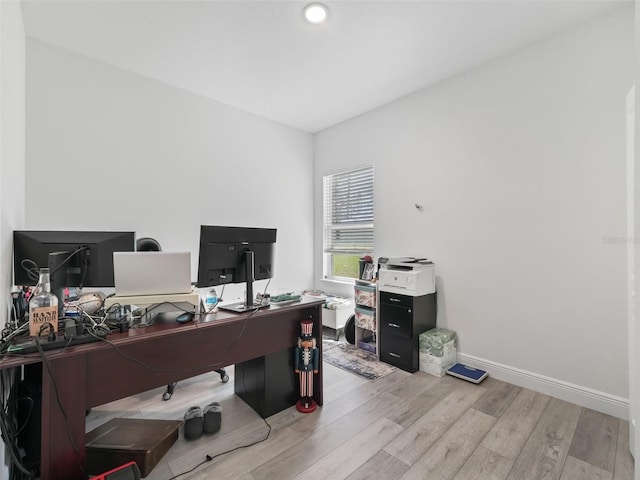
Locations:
{"points": [[94, 374]]}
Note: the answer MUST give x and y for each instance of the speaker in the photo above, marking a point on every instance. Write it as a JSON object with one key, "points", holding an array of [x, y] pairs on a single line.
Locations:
{"points": [[147, 244]]}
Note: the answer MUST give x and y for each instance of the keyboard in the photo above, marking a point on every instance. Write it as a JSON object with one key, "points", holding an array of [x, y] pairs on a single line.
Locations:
{"points": [[30, 346]]}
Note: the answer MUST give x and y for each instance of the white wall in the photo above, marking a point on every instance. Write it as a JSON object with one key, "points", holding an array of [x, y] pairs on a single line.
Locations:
{"points": [[115, 150], [12, 137], [520, 167], [633, 218], [12, 148]]}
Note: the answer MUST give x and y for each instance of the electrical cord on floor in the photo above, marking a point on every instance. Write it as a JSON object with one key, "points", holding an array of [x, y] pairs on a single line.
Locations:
{"points": [[209, 458]]}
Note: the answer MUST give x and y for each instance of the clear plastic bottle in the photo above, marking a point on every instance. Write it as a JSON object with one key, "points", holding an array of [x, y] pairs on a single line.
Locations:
{"points": [[43, 307], [210, 301]]}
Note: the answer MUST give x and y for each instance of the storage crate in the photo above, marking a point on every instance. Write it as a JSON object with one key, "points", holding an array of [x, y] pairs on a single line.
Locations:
{"points": [[437, 351], [368, 344], [365, 318], [365, 295]]}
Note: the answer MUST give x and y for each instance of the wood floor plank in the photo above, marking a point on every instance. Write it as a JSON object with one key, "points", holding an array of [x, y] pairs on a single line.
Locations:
{"points": [[323, 441], [545, 451], [576, 469], [381, 465], [497, 398], [513, 428], [595, 439], [486, 465], [415, 384], [242, 462], [428, 410], [623, 468], [453, 448], [344, 460], [244, 430], [411, 408], [416, 439], [342, 382], [362, 395]]}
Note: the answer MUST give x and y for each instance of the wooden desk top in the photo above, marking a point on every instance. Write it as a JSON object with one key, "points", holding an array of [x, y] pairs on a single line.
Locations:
{"points": [[155, 330]]}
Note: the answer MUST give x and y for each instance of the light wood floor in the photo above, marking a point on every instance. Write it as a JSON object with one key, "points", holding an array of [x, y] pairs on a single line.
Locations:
{"points": [[402, 426]]}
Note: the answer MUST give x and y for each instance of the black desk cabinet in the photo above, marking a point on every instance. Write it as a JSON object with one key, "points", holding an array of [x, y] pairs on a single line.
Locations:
{"points": [[402, 319]]}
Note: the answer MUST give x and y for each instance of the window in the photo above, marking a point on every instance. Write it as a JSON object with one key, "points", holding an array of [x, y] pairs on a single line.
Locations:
{"points": [[348, 222]]}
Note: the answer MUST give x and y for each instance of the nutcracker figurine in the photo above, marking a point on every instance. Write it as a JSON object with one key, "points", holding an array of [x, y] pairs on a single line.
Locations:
{"points": [[306, 365]]}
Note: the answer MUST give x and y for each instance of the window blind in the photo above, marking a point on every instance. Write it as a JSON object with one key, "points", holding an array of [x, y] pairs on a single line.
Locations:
{"points": [[348, 212]]}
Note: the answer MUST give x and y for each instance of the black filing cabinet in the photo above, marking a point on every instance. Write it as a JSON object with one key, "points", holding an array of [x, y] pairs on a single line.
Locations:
{"points": [[402, 319]]}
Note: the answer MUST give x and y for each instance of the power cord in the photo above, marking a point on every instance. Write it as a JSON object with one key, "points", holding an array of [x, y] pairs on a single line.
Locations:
{"points": [[45, 361], [9, 427], [209, 458], [215, 365]]}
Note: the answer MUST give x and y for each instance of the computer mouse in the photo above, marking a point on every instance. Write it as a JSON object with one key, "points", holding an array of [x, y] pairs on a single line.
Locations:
{"points": [[185, 317]]}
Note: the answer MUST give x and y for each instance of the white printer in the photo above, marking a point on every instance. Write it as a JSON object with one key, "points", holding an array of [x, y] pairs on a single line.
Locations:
{"points": [[407, 276]]}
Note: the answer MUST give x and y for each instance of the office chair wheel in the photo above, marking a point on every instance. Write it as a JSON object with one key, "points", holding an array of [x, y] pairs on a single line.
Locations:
{"points": [[169, 391], [223, 375]]}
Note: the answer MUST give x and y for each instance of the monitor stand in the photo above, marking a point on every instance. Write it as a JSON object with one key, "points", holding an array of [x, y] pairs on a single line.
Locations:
{"points": [[241, 307], [249, 303]]}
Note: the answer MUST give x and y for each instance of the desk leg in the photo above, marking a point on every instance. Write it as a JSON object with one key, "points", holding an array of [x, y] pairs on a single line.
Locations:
{"points": [[63, 420]]}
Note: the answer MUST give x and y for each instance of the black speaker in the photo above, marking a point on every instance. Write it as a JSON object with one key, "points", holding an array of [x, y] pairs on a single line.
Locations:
{"points": [[147, 244]]}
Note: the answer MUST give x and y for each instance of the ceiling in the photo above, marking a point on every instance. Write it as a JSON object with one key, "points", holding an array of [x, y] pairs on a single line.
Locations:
{"points": [[262, 57]]}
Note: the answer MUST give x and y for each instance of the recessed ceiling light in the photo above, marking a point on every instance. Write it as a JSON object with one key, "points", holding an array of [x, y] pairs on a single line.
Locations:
{"points": [[315, 13]]}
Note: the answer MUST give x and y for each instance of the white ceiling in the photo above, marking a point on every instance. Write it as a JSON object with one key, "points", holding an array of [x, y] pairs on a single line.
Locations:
{"points": [[261, 56]]}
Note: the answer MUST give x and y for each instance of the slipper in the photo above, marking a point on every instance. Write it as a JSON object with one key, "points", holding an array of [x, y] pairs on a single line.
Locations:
{"points": [[212, 417], [193, 424]]}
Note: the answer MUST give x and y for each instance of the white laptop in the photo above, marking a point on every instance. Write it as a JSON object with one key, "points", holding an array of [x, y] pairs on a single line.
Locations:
{"points": [[151, 273]]}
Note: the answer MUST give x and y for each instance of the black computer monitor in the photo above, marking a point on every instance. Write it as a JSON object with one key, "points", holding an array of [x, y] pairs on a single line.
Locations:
{"points": [[79, 259], [235, 255]]}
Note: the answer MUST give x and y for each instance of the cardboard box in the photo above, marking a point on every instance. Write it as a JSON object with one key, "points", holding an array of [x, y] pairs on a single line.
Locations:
{"points": [[438, 351], [122, 440]]}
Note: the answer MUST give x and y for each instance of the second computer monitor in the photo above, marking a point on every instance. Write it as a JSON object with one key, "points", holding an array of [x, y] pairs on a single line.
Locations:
{"points": [[85, 258], [224, 252]]}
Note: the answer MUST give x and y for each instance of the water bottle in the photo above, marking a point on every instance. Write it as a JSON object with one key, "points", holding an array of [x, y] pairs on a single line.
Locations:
{"points": [[211, 301]]}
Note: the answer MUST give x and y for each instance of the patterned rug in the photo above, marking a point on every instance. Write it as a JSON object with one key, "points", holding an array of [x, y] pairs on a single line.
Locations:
{"points": [[354, 360]]}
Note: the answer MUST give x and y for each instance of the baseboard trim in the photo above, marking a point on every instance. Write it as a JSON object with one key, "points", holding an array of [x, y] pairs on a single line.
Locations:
{"points": [[583, 396]]}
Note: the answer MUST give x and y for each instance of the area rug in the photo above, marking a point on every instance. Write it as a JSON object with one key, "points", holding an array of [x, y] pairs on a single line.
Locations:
{"points": [[355, 360]]}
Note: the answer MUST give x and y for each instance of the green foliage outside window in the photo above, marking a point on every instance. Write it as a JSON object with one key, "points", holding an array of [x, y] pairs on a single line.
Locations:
{"points": [[345, 265]]}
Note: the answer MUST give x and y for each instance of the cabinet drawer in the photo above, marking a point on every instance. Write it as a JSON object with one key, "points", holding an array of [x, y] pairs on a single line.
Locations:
{"points": [[365, 295], [395, 299], [399, 352], [396, 321], [365, 318]]}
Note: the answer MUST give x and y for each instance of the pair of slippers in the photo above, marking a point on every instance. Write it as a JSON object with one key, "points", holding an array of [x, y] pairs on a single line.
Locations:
{"points": [[202, 420]]}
